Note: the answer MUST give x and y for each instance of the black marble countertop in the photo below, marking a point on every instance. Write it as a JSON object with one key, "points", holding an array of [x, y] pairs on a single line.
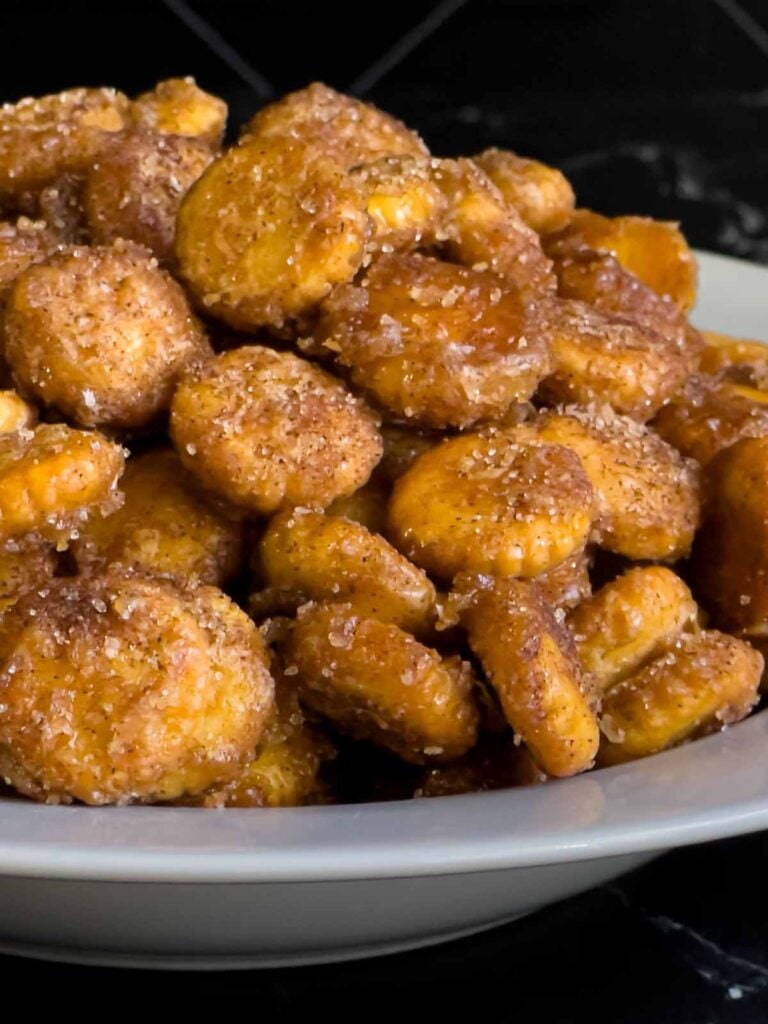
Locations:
{"points": [[659, 107]]}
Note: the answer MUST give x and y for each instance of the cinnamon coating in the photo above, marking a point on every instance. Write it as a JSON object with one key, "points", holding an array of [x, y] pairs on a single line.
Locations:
{"points": [[42, 138], [165, 526], [52, 479], [101, 334], [529, 660], [435, 344], [135, 188], [267, 430], [121, 688], [376, 682], [492, 502]]}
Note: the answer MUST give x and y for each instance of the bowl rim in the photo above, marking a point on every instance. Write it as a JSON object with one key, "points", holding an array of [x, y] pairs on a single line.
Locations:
{"points": [[709, 789]]}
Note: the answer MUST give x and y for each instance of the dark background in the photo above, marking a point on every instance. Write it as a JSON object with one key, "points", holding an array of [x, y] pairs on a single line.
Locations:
{"points": [[650, 107]]}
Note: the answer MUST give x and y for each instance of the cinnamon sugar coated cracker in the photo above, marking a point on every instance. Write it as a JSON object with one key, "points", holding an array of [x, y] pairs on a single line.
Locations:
{"points": [[702, 683], [122, 688], [268, 430], [45, 137], [710, 414], [630, 621], [542, 195], [491, 503], [647, 493], [332, 468], [307, 555], [179, 107], [102, 334], [136, 186], [483, 231], [435, 344], [23, 242], [166, 525], [351, 131], [268, 230], [530, 662], [285, 771], [654, 252], [377, 682], [52, 479]]}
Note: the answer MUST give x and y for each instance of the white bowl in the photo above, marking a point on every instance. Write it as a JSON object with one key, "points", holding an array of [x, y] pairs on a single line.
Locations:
{"points": [[183, 887]]}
